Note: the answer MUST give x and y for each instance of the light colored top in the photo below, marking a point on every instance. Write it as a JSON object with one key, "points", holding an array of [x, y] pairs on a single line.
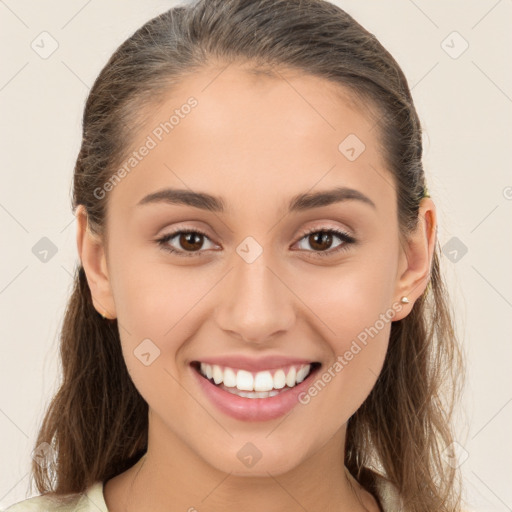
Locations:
{"points": [[92, 500]]}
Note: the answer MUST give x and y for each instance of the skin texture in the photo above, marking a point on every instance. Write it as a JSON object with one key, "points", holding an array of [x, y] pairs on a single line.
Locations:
{"points": [[256, 141]]}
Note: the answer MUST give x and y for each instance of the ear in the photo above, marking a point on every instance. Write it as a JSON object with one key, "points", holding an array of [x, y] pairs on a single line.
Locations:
{"points": [[92, 255], [416, 258]]}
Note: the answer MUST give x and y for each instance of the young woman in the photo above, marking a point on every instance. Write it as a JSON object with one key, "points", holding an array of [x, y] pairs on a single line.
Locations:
{"points": [[259, 320]]}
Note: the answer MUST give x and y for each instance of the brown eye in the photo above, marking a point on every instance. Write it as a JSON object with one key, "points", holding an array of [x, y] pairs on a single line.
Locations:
{"points": [[188, 242], [320, 240]]}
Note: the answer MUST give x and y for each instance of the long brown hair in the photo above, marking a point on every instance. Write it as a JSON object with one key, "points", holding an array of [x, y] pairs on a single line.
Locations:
{"points": [[96, 424]]}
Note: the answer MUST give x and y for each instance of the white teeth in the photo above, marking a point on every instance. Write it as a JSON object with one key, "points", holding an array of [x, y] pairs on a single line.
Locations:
{"points": [[302, 374], [244, 381], [229, 378], [290, 378], [251, 394], [218, 375], [261, 382], [279, 379]]}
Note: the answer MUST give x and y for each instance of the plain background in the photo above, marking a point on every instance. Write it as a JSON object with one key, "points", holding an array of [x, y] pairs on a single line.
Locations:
{"points": [[463, 97]]}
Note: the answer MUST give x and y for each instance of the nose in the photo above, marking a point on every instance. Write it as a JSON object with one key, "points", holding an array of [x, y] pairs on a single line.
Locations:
{"points": [[256, 303]]}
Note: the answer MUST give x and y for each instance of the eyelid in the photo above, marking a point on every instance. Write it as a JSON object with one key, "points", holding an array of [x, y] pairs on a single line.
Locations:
{"points": [[325, 227], [341, 233], [346, 238], [163, 240]]}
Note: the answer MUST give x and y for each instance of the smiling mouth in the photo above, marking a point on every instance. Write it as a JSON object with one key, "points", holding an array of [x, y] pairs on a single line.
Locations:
{"points": [[263, 384]]}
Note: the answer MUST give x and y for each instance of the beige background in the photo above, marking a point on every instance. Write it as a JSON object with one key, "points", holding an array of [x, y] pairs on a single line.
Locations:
{"points": [[464, 101]]}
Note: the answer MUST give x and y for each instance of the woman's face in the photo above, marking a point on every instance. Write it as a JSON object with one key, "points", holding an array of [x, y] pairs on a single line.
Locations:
{"points": [[254, 284]]}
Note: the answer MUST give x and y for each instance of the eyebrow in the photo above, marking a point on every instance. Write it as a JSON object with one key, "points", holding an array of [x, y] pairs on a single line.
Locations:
{"points": [[298, 203]]}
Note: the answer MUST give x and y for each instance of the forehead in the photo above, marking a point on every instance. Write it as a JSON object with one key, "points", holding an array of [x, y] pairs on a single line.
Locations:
{"points": [[250, 136]]}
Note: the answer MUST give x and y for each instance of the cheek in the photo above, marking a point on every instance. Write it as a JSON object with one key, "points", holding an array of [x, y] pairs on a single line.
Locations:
{"points": [[341, 387], [347, 299], [156, 318], [355, 316], [154, 299], [159, 308], [358, 347]]}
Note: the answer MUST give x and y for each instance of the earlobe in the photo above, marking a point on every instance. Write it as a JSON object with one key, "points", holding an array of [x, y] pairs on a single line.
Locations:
{"points": [[92, 256], [418, 253]]}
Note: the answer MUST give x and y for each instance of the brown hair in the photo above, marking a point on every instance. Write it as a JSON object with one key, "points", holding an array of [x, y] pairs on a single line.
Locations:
{"points": [[97, 422]]}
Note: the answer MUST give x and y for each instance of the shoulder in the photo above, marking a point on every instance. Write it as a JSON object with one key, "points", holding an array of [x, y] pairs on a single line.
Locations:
{"points": [[387, 493], [91, 500], [389, 496]]}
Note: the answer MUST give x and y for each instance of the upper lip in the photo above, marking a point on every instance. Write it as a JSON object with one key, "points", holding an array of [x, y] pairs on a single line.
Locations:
{"points": [[255, 365]]}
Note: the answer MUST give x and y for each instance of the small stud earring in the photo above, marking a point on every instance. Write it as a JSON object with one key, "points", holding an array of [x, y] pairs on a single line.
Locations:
{"points": [[404, 300]]}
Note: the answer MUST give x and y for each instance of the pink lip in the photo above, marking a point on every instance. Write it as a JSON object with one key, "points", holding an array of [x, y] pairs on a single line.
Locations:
{"points": [[255, 365], [252, 409]]}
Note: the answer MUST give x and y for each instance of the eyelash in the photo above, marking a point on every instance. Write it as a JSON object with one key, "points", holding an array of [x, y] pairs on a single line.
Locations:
{"points": [[345, 237]]}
